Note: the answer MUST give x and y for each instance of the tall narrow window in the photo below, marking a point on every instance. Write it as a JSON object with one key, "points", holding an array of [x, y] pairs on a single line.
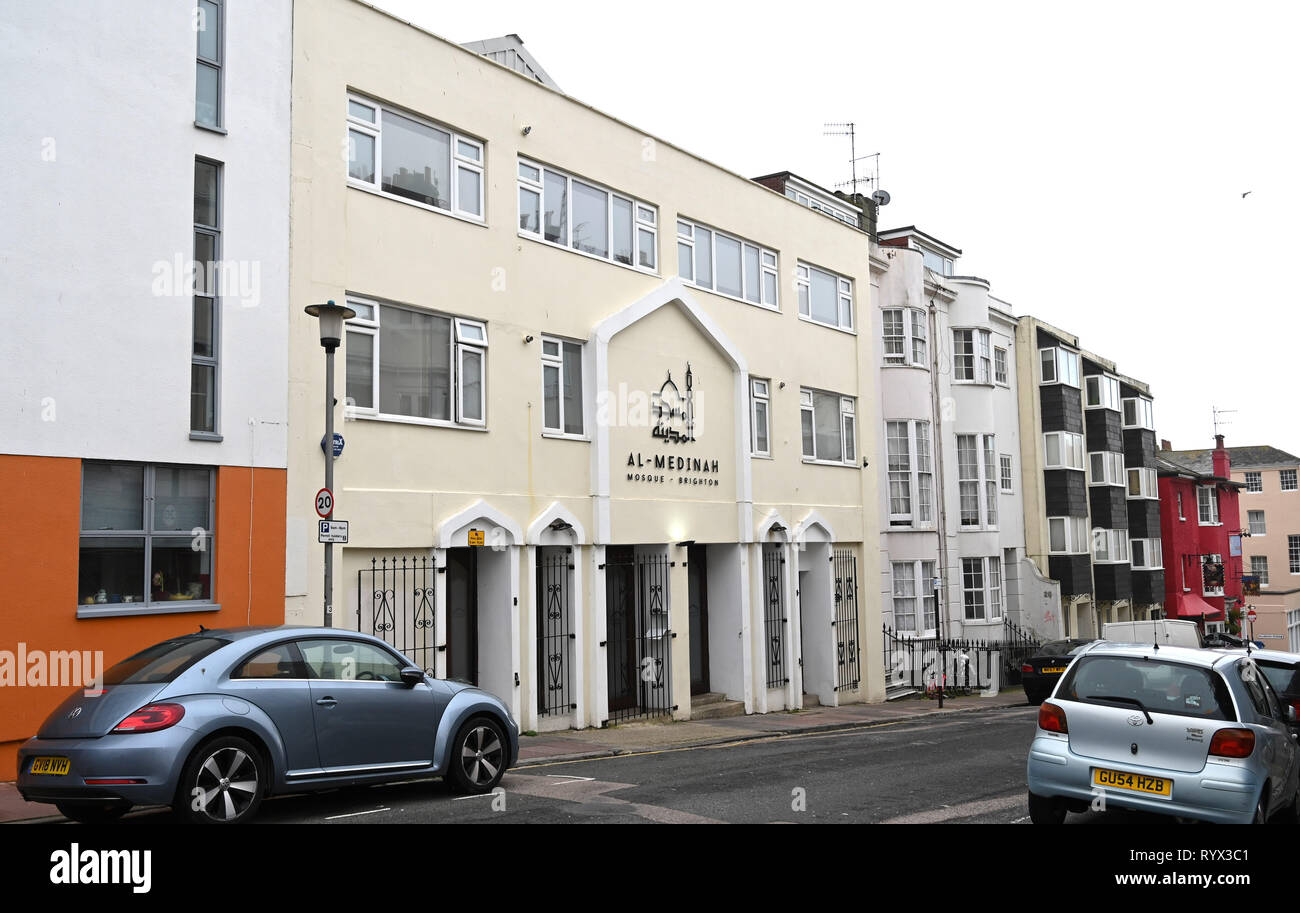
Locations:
{"points": [[1207, 505], [759, 416], [1259, 568], [900, 472], [911, 479], [205, 346], [968, 475], [561, 386], [973, 594], [1256, 520], [210, 27], [990, 482]]}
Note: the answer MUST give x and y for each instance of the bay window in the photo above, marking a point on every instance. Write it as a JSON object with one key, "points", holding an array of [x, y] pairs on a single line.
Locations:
{"points": [[1105, 468], [1146, 554], [1110, 546], [972, 361], [1067, 535], [1138, 413], [408, 157], [1143, 483], [911, 473], [1059, 366], [581, 215], [1101, 392], [409, 364], [1062, 450], [906, 337]]}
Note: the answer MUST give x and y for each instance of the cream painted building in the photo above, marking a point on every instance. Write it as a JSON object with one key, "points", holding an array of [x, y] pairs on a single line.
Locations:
{"points": [[637, 379]]}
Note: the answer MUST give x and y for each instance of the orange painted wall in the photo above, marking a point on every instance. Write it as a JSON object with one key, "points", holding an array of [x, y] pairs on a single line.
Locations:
{"points": [[40, 509]]}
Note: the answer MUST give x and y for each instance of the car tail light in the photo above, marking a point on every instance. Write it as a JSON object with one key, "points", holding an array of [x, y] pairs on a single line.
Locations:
{"points": [[1232, 743], [1051, 718], [1026, 669], [151, 718]]}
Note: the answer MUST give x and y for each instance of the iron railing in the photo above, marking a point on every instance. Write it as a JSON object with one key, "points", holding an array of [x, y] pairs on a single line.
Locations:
{"points": [[955, 663], [555, 635], [774, 620], [396, 602]]}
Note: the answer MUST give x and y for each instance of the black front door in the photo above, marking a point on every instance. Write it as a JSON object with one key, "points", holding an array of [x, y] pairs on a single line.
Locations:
{"points": [[621, 627], [462, 614], [698, 596]]}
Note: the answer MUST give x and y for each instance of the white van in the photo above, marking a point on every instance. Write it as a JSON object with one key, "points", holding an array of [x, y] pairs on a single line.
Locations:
{"points": [[1165, 632]]}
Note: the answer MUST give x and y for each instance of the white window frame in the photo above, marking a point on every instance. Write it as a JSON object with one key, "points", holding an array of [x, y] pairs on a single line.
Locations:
{"points": [[1007, 476], [760, 391], [1150, 548], [1076, 537], [980, 355], [914, 341], [1207, 503], [1065, 366], [1000, 374], [848, 427], [1111, 465], [1148, 484], [368, 322], [984, 482], [1104, 389], [1110, 546], [688, 239], [844, 297], [456, 161], [917, 463], [1262, 530], [1282, 477], [917, 576], [990, 589], [1259, 570], [558, 361], [1143, 413], [1070, 444], [1293, 554], [645, 216], [1254, 483]]}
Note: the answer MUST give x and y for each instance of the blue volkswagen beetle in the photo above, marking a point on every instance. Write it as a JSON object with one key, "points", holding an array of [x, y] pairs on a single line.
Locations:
{"points": [[213, 722]]}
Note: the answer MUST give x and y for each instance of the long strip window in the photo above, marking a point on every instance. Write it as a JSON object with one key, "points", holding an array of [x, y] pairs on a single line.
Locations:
{"points": [[906, 337], [206, 337], [829, 427], [210, 26], [824, 297], [726, 265], [146, 537], [911, 473], [1062, 450], [411, 364], [580, 215], [407, 156], [561, 386]]}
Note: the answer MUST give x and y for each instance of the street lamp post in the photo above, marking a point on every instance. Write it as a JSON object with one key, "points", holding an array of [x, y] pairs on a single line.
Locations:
{"points": [[331, 317]]}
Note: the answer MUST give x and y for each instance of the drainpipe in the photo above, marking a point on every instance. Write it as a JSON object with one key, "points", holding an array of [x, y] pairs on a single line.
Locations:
{"points": [[936, 453]]}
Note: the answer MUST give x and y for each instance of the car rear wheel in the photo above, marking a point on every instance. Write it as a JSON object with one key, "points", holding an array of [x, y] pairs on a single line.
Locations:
{"points": [[1043, 810], [93, 813], [223, 783], [478, 756], [1261, 809]]}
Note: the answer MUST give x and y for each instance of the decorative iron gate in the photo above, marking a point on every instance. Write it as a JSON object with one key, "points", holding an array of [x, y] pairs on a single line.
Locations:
{"points": [[639, 637], [554, 630], [396, 602], [774, 620], [848, 672]]}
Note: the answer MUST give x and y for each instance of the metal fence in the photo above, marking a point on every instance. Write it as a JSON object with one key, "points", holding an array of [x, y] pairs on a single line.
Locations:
{"points": [[848, 669], [395, 602], [957, 664], [555, 635], [639, 639], [774, 620]]}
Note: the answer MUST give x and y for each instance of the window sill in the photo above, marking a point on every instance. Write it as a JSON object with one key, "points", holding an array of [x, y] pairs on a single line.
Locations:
{"points": [[978, 529], [124, 609], [458, 216], [904, 364], [410, 420], [1070, 468], [206, 436], [644, 271], [1123, 485], [1142, 497], [810, 462], [971, 383], [760, 456], [560, 436], [830, 326], [1147, 569], [212, 129]]}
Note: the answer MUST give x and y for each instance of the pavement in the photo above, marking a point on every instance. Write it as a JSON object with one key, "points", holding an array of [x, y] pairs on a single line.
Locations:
{"points": [[638, 737]]}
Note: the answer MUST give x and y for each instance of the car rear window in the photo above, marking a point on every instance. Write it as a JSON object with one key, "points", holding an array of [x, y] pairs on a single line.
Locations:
{"points": [[162, 662], [1161, 687], [1061, 647]]}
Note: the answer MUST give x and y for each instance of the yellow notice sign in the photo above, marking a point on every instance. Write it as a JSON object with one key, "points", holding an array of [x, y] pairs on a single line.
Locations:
{"points": [[476, 537]]}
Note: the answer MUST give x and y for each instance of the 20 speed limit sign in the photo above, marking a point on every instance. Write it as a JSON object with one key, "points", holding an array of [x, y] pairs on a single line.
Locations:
{"points": [[324, 503]]}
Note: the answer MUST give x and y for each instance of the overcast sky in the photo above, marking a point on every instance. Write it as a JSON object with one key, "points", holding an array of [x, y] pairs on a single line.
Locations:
{"points": [[1088, 159]]}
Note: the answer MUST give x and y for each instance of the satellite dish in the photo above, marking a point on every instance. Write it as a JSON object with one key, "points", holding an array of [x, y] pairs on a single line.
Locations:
{"points": [[881, 197]]}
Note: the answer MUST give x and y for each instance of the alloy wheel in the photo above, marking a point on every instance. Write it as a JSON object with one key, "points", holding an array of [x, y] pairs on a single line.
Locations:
{"points": [[482, 755], [226, 784]]}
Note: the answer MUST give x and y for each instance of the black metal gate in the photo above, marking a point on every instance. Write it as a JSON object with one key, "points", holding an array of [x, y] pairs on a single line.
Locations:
{"points": [[554, 630], [639, 639], [396, 602], [847, 669], [774, 620]]}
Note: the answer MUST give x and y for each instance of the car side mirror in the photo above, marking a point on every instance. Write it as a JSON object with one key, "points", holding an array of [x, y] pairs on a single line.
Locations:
{"points": [[413, 675]]}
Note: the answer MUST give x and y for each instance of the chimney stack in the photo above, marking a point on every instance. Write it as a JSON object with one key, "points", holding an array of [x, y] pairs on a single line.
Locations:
{"points": [[1165, 445], [1221, 464]]}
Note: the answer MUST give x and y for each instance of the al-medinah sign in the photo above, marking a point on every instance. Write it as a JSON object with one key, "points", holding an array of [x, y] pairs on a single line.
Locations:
{"points": [[674, 413]]}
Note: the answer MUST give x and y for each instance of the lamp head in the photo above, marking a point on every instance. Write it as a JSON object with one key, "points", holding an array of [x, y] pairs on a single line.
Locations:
{"points": [[331, 317]]}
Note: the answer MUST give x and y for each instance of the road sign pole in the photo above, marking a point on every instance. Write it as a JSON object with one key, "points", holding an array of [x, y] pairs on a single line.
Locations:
{"points": [[329, 480]]}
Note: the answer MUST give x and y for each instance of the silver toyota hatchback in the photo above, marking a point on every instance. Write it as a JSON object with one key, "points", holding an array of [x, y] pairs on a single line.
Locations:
{"points": [[1176, 731]]}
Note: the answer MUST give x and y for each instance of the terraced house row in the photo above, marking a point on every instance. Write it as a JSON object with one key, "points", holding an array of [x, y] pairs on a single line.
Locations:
{"points": [[621, 433]]}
